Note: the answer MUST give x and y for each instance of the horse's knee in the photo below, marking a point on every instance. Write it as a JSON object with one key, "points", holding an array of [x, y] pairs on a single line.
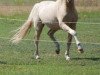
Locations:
{"points": [[72, 32], [67, 28]]}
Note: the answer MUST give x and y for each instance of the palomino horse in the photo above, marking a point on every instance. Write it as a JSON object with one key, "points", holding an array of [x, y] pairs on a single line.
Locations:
{"points": [[57, 15]]}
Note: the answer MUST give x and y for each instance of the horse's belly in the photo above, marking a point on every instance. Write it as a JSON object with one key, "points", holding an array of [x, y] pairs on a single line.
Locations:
{"points": [[54, 26]]}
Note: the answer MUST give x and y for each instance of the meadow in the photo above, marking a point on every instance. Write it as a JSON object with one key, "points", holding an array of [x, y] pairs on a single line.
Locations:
{"points": [[18, 59]]}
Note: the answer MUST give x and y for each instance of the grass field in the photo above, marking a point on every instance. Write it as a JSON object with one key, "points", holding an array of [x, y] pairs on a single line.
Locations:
{"points": [[18, 59]]}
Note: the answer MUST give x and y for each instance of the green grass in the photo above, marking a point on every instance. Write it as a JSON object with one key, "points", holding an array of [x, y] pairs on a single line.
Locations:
{"points": [[18, 59]]}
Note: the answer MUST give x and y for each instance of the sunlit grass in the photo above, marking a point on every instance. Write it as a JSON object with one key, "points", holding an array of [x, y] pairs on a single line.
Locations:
{"points": [[19, 60]]}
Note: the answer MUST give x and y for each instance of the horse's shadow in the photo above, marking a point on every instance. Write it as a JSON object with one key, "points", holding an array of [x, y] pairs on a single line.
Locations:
{"points": [[93, 59], [3, 62]]}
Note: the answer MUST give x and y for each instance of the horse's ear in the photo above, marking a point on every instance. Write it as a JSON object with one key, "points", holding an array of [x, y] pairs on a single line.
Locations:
{"points": [[68, 1]]}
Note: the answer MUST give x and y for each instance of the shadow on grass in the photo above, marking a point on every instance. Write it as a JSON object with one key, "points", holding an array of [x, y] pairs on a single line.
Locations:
{"points": [[3, 62], [94, 59]]}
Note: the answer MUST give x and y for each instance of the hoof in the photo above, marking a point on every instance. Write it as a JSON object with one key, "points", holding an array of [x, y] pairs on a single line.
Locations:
{"points": [[67, 58], [80, 50], [57, 51], [37, 57]]}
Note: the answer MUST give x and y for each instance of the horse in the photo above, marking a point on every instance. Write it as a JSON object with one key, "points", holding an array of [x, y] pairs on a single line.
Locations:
{"points": [[57, 15]]}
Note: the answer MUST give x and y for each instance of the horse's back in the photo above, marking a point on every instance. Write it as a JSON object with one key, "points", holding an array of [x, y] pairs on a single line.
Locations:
{"points": [[47, 11], [46, 2]]}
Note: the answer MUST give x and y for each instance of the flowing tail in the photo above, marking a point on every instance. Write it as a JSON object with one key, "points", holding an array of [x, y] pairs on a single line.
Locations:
{"points": [[27, 25], [21, 32]]}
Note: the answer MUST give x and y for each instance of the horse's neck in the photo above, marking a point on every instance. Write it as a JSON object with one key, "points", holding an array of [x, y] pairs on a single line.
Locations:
{"points": [[61, 1], [69, 5]]}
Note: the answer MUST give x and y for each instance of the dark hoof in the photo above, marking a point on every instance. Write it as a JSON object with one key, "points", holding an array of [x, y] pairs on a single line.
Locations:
{"points": [[57, 51], [80, 50]]}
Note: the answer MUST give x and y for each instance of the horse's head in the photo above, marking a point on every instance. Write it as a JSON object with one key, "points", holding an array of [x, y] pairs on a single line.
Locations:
{"points": [[69, 1]]}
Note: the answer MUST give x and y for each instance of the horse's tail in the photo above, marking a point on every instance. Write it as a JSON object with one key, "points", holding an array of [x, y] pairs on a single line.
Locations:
{"points": [[24, 28], [22, 32]]}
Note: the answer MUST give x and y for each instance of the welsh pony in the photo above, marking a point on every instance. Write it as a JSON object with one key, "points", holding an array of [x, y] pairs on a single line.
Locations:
{"points": [[57, 15]]}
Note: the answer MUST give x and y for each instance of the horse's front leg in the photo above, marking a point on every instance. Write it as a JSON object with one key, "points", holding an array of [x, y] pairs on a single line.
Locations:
{"points": [[68, 47], [80, 49], [51, 35], [73, 33]]}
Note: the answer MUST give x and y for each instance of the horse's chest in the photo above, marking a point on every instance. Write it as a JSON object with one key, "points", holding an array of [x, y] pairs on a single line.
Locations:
{"points": [[70, 17]]}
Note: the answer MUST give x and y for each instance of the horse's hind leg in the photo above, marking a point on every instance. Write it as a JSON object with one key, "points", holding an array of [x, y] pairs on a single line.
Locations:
{"points": [[38, 31], [51, 35]]}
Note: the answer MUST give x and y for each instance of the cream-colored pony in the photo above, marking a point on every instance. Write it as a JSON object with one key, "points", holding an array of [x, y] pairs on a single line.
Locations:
{"points": [[57, 15]]}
